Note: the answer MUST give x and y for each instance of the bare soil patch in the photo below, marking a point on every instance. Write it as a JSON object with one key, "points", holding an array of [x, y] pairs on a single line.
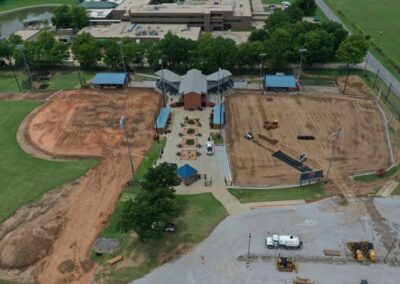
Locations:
{"points": [[355, 86], [61, 229], [362, 146]]}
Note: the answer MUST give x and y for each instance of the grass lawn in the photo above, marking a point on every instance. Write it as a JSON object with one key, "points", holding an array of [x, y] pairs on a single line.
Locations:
{"points": [[308, 193], [201, 213], [24, 178], [216, 138], [372, 17], [373, 176], [13, 4], [59, 80]]}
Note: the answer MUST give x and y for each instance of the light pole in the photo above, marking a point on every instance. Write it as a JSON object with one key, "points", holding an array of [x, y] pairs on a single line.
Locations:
{"points": [[21, 48], [248, 248], [261, 70], [336, 136], [220, 105], [162, 79], [120, 43], [122, 125], [301, 50]]}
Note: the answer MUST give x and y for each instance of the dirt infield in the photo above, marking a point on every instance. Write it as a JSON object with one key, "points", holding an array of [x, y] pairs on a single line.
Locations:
{"points": [[78, 123], [362, 146]]}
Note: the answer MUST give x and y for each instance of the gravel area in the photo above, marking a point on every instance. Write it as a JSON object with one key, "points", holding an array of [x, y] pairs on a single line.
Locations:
{"points": [[325, 225]]}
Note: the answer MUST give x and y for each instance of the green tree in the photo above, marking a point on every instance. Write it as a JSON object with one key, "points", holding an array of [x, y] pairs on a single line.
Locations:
{"points": [[278, 19], [295, 14], [278, 49], [309, 7], [85, 50], [162, 176], [319, 45], [258, 35], [249, 54], [6, 49], [352, 51], [74, 17], [337, 30], [112, 56], [46, 41]]}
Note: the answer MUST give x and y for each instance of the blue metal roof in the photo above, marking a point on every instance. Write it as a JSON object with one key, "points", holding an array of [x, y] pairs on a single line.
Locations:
{"points": [[186, 171], [110, 79], [217, 115], [162, 117], [276, 81]]}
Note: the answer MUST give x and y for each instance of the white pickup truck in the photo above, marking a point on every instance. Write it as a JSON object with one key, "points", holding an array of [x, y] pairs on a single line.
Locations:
{"points": [[210, 146], [285, 241]]}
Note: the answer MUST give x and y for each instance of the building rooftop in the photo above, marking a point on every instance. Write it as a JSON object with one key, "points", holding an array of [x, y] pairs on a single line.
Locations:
{"points": [[162, 118], [193, 81], [150, 31], [186, 171], [27, 34], [280, 81], [219, 75], [168, 75], [218, 116], [110, 79], [238, 7], [98, 5]]}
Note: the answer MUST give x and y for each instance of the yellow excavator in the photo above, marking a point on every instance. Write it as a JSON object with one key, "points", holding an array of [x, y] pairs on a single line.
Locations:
{"points": [[271, 124], [362, 250]]}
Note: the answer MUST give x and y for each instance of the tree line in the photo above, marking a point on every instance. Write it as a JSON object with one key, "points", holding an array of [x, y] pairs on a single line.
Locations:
{"points": [[283, 35]]}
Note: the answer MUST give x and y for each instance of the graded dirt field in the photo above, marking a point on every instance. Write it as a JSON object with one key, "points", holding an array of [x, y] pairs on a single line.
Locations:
{"points": [[55, 236], [361, 148]]}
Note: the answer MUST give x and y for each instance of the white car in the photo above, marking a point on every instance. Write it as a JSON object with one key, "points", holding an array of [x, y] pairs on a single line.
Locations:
{"points": [[210, 147], [286, 4]]}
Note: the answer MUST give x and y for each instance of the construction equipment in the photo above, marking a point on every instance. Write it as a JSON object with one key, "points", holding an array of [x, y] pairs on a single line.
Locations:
{"points": [[362, 250], [286, 264], [271, 124]]}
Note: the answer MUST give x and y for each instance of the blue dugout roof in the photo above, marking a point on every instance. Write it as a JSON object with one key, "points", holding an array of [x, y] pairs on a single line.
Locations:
{"points": [[186, 171], [162, 117], [110, 79], [275, 81], [217, 115]]}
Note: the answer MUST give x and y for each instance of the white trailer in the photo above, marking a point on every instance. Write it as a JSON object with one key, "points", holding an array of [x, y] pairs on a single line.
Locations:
{"points": [[285, 241]]}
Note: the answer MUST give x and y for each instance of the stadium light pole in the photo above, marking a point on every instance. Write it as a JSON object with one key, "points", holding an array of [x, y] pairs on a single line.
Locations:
{"points": [[336, 136], [122, 125], [261, 55], [121, 45], [301, 51], [162, 79], [21, 48], [220, 104]]}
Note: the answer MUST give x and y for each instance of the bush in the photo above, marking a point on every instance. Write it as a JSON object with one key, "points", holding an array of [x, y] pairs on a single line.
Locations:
{"points": [[190, 142]]}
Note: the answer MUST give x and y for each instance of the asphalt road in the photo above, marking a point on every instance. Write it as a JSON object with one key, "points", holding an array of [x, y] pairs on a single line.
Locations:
{"points": [[373, 64]]}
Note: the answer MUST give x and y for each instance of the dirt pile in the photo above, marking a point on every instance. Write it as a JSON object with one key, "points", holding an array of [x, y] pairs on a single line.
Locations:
{"points": [[62, 227]]}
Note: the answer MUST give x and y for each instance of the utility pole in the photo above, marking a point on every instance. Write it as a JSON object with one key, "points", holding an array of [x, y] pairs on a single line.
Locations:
{"points": [[122, 125], [301, 51], [336, 136], [121, 44], [162, 79], [248, 249], [261, 72]]}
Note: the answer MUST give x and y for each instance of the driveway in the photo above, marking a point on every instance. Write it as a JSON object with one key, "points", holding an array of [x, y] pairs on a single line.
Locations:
{"points": [[324, 225], [373, 64]]}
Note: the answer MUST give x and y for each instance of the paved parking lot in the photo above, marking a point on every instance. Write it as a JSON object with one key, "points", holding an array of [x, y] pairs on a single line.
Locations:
{"points": [[324, 225]]}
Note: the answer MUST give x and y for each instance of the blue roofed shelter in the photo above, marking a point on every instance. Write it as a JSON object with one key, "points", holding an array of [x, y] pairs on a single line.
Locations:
{"points": [[280, 83], [218, 117], [162, 119], [187, 173], [110, 80]]}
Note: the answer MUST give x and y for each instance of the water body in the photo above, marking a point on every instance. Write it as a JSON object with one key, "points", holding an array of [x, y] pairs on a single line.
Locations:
{"points": [[10, 22]]}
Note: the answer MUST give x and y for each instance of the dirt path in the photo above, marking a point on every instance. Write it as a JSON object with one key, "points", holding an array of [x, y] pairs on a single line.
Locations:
{"points": [[53, 239]]}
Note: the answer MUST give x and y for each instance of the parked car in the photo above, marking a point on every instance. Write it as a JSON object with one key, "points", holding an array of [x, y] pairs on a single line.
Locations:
{"points": [[286, 4], [170, 227], [162, 226], [249, 136], [209, 146]]}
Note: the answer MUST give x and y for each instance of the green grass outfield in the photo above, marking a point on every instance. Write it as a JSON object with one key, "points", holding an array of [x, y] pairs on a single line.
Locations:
{"points": [[14, 4], [308, 193], [24, 178], [373, 16], [200, 215], [60, 80]]}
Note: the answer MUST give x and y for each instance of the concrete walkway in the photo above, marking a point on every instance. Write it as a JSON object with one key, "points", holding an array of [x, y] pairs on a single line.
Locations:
{"points": [[387, 188]]}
